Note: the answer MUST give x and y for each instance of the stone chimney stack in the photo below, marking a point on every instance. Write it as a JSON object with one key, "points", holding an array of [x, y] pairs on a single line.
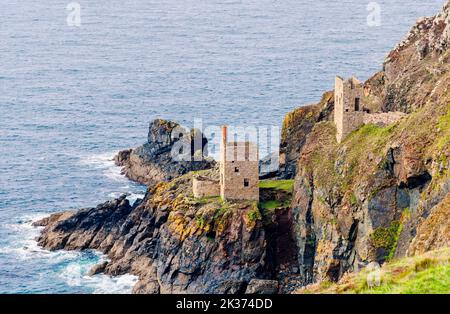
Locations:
{"points": [[223, 143], [224, 135], [223, 153]]}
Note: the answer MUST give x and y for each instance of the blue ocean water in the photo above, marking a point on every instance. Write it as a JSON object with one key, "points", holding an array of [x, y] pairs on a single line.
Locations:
{"points": [[70, 97]]}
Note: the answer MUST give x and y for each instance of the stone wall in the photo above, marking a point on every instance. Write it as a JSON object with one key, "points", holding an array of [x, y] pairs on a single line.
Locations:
{"points": [[383, 118], [240, 181], [205, 187]]}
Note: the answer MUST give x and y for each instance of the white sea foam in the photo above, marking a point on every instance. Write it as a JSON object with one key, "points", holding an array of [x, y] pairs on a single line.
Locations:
{"points": [[75, 275], [23, 246], [104, 162], [73, 265], [120, 284], [132, 197]]}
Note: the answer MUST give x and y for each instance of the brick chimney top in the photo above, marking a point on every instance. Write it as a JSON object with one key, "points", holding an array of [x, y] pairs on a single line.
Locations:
{"points": [[224, 134]]}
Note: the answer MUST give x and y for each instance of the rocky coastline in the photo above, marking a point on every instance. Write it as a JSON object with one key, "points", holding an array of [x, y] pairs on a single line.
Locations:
{"points": [[173, 242], [383, 193]]}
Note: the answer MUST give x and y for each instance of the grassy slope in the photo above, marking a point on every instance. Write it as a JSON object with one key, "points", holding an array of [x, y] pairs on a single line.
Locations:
{"points": [[425, 274], [360, 155], [282, 185], [427, 130], [285, 185], [364, 152]]}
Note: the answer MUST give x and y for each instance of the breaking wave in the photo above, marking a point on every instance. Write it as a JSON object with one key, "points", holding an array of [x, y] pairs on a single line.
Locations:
{"points": [[71, 267]]}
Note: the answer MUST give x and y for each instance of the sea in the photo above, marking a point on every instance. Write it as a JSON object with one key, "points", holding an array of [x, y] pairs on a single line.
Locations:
{"points": [[81, 80]]}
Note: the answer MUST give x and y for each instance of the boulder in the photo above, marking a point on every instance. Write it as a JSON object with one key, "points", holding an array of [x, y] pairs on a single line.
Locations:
{"points": [[97, 269], [260, 286], [170, 151]]}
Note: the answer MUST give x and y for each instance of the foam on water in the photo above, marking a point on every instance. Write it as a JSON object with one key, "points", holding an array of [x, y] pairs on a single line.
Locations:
{"points": [[105, 163], [23, 245], [75, 275], [72, 266], [101, 161], [132, 197]]}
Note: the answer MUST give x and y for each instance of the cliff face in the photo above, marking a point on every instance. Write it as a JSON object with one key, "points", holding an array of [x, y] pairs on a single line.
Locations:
{"points": [[417, 69], [383, 192], [153, 162], [296, 127], [427, 273]]}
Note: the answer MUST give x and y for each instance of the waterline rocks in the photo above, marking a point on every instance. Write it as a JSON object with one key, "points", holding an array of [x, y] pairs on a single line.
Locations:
{"points": [[171, 241]]}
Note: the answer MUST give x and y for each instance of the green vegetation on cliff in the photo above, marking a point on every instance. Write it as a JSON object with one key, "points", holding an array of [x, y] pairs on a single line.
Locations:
{"points": [[285, 185], [274, 194], [269, 205], [425, 274], [425, 133], [357, 190], [444, 130], [209, 216], [387, 238]]}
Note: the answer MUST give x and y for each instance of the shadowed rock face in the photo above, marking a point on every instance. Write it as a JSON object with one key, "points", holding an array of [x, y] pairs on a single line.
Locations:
{"points": [[154, 161], [179, 244]]}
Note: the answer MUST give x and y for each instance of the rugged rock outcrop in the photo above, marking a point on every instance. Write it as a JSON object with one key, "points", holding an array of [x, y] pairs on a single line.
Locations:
{"points": [[258, 286], [295, 129], [432, 231], [299, 123], [173, 242], [416, 67], [170, 151], [379, 194]]}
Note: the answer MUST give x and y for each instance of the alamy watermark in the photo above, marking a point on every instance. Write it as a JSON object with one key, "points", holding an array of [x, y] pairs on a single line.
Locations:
{"points": [[74, 14], [189, 145], [374, 17], [374, 275]]}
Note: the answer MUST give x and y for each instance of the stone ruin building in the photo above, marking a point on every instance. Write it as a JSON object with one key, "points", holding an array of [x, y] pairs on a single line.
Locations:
{"points": [[239, 172], [239, 169], [349, 110]]}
